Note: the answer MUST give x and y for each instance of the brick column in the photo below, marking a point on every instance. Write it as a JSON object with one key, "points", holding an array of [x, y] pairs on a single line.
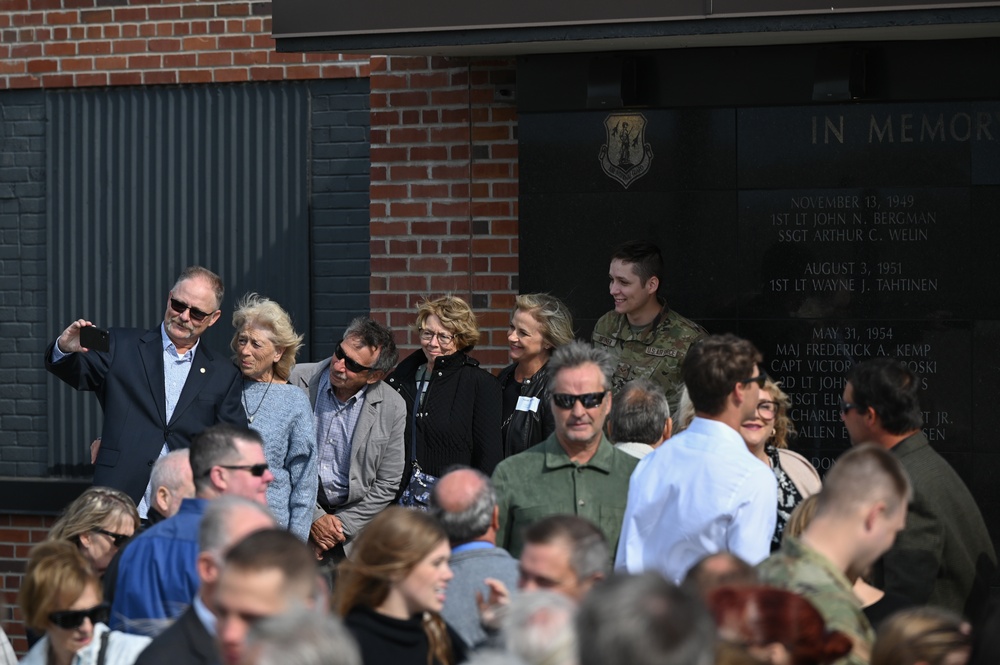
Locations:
{"points": [[444, 192]]}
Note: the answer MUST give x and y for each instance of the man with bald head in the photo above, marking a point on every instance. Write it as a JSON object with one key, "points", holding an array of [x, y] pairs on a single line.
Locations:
{"points": [[466, 504]]}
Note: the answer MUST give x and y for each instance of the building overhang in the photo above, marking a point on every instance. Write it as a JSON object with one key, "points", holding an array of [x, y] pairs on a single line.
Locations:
{"points": [[522, 27]]}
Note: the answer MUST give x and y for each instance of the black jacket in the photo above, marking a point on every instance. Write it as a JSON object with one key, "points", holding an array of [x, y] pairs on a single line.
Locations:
{"points": [[528, 427], [459, 422]]}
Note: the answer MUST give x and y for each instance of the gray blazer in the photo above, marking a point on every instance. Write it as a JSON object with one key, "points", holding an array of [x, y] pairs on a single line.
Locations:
{"points": [[377, 449]]}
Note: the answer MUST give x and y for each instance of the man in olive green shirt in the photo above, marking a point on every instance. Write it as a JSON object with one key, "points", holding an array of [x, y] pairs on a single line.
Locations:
{"points": [[859, 512], [575, 471]]}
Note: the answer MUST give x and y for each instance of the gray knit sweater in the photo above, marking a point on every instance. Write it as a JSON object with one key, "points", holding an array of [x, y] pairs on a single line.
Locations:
{"points": [[284, 420]]}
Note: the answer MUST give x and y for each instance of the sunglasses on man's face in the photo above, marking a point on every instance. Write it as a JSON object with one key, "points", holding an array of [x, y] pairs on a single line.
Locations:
{"points": [[589, 400], [760, 380], [71, 619], [350, 363], [180, 307], [256, 470]]}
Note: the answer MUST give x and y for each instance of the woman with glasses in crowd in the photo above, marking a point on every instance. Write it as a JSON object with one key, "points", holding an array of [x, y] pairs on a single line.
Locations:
{"points": [[453, 405], [766, 435], [61, 597], [264, 347], [98, 522], [539, 324]]}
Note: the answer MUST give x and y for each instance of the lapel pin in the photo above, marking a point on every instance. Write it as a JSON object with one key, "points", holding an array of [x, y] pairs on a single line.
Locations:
{"points": [[202, 370]]}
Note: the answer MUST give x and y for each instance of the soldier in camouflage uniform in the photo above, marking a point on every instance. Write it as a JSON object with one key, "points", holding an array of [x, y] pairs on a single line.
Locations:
{"points": [[646, 339], [859, 512]]}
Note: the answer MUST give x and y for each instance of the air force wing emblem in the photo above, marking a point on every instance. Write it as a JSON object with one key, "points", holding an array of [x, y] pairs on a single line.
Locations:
{"points": [[626, 156]]}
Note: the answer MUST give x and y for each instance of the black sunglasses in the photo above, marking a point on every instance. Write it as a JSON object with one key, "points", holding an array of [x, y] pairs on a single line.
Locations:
{"points": [[350, 363], [846, 406], [760, 380], [256, 470], [589, 400], [180, 307], [117, 538], [70, 619]]}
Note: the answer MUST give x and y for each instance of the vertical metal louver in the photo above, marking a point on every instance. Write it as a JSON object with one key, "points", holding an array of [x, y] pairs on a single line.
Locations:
{"points": [[142, 182]]}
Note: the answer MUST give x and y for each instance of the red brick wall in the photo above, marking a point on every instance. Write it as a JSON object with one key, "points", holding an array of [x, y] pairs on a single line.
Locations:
{"points": [[444, 192], [18, 533], [77, 43]]}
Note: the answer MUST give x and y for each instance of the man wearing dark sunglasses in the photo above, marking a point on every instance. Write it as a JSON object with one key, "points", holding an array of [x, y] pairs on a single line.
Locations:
{"points": [[158, 388], [157, 573], [359, 433], [576, 470], [704, 492]]}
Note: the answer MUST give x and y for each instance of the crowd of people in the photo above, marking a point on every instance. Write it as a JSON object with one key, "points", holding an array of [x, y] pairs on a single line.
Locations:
{"points": [[630, 500]]}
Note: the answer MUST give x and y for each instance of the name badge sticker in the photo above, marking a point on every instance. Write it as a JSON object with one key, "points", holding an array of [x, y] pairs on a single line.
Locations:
{"points": [[527, 404]]}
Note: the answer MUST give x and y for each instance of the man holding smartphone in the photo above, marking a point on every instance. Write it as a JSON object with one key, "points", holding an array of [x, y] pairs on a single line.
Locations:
{"points": [[158, 388]]}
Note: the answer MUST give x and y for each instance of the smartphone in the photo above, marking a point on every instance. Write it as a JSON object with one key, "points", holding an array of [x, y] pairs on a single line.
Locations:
{"points": [[93, 338]]}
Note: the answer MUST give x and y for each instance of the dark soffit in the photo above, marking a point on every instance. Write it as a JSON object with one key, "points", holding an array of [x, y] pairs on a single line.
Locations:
{"points": [[467, 29]]}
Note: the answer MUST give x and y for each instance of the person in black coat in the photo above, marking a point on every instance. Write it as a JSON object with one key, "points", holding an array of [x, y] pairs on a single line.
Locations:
{"points": [[452, 405], [539, 324], [391, 591]]}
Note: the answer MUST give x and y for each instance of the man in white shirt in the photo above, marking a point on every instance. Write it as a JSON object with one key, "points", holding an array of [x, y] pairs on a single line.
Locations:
{"points": [[703, 492]]}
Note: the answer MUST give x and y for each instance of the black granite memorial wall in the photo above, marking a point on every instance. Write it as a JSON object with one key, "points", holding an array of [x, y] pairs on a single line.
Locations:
{"points": [[825, 233]]}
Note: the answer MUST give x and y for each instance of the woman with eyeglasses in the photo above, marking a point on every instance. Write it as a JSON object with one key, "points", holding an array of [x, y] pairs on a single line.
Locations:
{"points": [[264, 347], [766, 436], [452, 404], [61, 597], [539, 324], [98, 522]]}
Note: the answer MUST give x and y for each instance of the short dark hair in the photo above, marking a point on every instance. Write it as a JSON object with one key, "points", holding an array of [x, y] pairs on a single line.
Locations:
{"points": [[217, 445], [644, 620], [375, 336], [589, 552], [639, 412], [889, 387], [277, 549], [715, 570], [713, 365], [645, 257]]}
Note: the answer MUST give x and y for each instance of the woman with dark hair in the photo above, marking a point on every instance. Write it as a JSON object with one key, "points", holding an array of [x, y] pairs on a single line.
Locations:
{"points": [[98, 522], [452, 405], [61, 597], [391, 591], [539, 324], [774, 626], [766, 435], [264, 347]]}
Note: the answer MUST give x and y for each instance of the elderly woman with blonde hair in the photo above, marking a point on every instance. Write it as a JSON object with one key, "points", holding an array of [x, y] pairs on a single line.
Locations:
{"points": [[452, 404], [264, 346]]}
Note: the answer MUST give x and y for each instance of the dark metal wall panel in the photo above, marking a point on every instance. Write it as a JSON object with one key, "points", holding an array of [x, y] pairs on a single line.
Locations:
{"points": [[145, 181]]}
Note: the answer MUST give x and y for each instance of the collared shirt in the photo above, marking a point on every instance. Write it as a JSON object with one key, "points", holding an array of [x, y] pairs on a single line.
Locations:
{"points": [[175, 373], [474, 545], [544, 481], [699, 493], [798, 568], [205, 615], [335, 424]]}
